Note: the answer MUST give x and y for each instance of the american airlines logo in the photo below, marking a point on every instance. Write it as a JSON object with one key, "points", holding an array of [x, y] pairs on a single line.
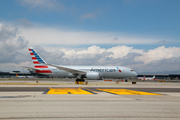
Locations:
{"points": [[118, 69]]}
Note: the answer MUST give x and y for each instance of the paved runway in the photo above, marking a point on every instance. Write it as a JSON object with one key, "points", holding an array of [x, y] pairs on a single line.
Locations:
{"points": [[29, 102], [31, 89]]}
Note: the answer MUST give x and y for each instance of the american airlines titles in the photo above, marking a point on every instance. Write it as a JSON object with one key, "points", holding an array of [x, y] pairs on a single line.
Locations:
{"points": [[102, 70]]}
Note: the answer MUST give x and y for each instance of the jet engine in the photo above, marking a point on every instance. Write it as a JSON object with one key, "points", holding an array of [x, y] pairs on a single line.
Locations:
{"points": [[93, 76]]}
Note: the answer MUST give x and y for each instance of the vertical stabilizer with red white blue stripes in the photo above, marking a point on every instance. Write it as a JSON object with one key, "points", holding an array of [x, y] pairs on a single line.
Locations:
{"points": [[39, 62]]}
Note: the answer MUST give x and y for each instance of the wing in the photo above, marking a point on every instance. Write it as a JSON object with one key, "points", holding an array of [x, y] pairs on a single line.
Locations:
{"points": [[30, 68], [73, 71]]}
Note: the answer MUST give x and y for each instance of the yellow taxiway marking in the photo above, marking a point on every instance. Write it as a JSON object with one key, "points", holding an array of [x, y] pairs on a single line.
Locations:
{"points": [[67, 91], [126, 92]]}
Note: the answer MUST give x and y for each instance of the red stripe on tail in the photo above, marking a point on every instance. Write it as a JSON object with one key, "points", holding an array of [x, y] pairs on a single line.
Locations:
{"points": [[43, 71], [36, 62], [31, 53], [41, 66], [34, 58]]}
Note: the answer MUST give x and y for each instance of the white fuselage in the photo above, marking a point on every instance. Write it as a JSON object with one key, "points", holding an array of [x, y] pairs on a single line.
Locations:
{"points": [[104, 71]]}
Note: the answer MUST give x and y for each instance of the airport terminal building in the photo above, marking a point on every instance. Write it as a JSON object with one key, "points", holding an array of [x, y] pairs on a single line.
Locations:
{"points": [[16, 74]]}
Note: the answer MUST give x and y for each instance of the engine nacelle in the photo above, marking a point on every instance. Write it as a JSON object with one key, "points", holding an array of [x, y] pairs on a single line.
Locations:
{"points": [[93, 76]]}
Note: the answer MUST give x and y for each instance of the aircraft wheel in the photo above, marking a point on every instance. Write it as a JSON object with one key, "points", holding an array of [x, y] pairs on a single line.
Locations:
{"points": [[77, 81], [80, 80]]}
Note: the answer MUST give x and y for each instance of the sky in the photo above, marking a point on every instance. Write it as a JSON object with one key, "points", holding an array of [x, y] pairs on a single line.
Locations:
{"points": [[140, 34]]}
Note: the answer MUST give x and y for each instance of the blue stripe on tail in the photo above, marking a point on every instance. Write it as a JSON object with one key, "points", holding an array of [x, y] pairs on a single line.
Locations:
{"points": [[40, 60]]}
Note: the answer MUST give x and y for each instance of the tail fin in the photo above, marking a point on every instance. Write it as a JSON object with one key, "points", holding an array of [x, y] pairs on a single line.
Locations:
{"points": [[37, 59]]}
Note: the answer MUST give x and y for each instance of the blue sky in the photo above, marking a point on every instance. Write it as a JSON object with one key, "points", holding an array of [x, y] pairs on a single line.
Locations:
{"points": [[149, 18], [143, 25]]}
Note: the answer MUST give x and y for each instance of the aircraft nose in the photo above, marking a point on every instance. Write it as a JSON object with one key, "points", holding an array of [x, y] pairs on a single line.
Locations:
{"points": [[135, 74]]}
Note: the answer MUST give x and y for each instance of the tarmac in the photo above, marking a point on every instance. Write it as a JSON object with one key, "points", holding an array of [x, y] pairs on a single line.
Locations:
{"points": [[98, 100]]}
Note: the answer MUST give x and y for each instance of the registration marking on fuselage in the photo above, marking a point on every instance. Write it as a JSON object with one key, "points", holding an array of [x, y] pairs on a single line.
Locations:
{"points": [[126, 92]]}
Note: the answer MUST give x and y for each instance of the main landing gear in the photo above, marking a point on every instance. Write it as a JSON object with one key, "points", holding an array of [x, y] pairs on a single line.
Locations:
{"points": [[81, 81]]}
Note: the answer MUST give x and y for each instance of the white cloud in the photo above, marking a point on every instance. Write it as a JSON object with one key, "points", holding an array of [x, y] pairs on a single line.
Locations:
{"points": [[14, 44], [159, 54], [121, 51], [53, 36], [117, 51], [11, 45], [42, 4]]}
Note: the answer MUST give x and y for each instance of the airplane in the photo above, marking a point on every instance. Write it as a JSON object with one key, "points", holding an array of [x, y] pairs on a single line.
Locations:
{"points": [[17, 76], [146, 78], [78, 72]]}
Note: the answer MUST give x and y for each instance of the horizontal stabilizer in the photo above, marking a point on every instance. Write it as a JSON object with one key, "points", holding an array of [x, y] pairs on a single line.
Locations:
{"points": [[30, 68]]}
